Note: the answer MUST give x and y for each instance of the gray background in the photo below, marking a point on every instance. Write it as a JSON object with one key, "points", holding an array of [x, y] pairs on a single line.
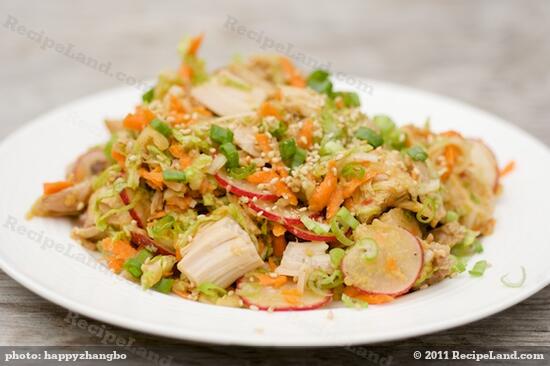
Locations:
{"points": [[492, 54]]}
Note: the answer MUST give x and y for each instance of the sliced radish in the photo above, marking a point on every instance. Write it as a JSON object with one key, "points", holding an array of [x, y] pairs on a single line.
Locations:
{"points": [[141, 239], [303, 233], [284, 298], [484, 163], [243, 189], [125, 197], [394, 264], [278, 214]]}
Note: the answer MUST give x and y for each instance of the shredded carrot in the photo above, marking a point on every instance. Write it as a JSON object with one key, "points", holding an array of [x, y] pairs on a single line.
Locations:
{"points": [[267, 109], [117, 252], [54, 187], [305, 135], [176, 106], [368, 298], [176, 150], [183, 203], [281, 189], [195, 44], [266, 280], [262, 176], [292, 74], [185, 295], [292, 296], [202, 111], [278, 95], [205, 186], [178, 254], [157, 215], [451, 153], [153, 178], [451, 133], [321, 195], [185, 161], [119, 158], [336, 200], [350, 186], [139, 119], [185, 72], [272, 264], [263, 142], [278, 229], [508, 168], [279, 245]]}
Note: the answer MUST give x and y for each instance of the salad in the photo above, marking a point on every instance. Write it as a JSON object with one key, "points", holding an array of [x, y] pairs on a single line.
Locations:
{"points": [[257, 186]]}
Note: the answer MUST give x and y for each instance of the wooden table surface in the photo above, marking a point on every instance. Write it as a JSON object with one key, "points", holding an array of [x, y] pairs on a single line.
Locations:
{"points": [[492, 54]]}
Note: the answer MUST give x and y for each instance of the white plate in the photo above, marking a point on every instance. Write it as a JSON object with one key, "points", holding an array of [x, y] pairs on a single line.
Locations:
{"points": [[40, 255]]}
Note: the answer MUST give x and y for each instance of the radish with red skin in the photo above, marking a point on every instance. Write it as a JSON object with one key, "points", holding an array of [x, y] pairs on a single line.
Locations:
{"points": [[271, 298], [274, 213], [133, 213], [243, 189], [395, 267], [303, 233], [143, 240], [484, 163]]}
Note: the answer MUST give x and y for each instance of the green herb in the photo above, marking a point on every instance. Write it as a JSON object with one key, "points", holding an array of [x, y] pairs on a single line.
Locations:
{"points": [[506, 282], [171, 175], [346, 218], [351, 99], [369, 247], [230, 152], [353, 170], [339, 232], [350, 302], [315, 226], [148, 96], [336, 256], [479, 268], [319, 81], [161, 127], [220, 135], [279, 131], [287, 149], [164, 285], [211, 290], [299, 158], [369, 135], [417, 153], [384, 123], [133, 265], [242, 172], [451, 216]]}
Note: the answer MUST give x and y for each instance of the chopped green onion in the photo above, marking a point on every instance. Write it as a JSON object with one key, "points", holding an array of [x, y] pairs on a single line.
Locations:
{"points": [[451, 216], [479, 268], [331, 147], [459, 265], [369, 247], [171, 175], [133, 265], [351, 99], [242, 172], [211, 290], [417, 153], [346, 218], [336, 256], [299, 158], [230, 152], [369, 135], [315, 226], [353, 170], [147, 97], [220, 135], [164, 285], [384, 123], [339, 233], [350, 302], [279, 131], [319, 81], [506, 282], [161, 127], [287, 149]]}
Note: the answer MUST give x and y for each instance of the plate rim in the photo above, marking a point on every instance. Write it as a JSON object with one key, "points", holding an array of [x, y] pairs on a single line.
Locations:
{"points": [[209, 338]]}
